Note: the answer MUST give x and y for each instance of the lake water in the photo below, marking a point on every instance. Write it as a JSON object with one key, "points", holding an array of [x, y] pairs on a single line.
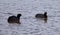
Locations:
{"points": [[29, 24]]}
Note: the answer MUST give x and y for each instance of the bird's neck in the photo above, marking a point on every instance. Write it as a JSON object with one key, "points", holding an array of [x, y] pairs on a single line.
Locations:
{"points": [[45, 14], [18, 17]]}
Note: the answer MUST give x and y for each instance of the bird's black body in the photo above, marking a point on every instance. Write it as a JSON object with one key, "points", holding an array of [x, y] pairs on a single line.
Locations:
{"points": [[41, 15], [14, 19]]}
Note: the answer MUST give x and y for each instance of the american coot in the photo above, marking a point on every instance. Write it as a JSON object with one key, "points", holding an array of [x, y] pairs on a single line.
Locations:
{"points": [[41, 15], [14, 19]]}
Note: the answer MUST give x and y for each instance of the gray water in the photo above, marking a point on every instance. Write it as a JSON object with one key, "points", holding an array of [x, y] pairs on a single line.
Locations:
{"points": [[29, 24]]}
